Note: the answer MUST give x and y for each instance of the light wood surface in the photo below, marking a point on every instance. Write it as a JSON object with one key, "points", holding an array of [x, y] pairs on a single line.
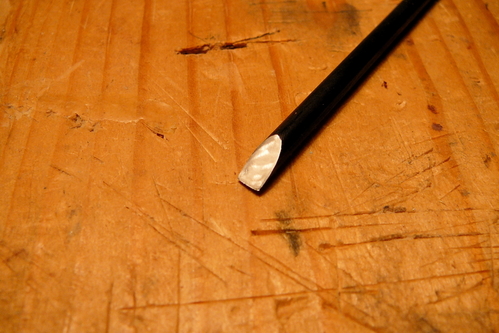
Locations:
{"points": [[124, 123]]}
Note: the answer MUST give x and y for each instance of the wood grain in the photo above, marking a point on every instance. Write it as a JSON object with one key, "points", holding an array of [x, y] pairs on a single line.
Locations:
{"points": [[123, 125]]}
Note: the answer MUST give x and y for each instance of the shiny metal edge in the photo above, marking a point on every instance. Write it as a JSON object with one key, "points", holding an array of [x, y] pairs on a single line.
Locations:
{"points": [[261, 163]]}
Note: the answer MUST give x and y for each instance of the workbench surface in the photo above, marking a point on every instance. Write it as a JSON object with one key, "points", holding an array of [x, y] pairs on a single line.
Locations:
{"points": [[124, 124]]}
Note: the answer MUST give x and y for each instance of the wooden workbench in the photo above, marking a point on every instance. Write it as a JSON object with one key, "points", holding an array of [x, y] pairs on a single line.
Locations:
{"points": [[124, 123]]}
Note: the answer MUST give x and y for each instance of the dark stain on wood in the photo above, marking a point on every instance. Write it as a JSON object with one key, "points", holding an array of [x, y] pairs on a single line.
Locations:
{"points": [[486, 160], [437, 127], [432, 108], [76, 120], [232, 46], [292, 236], [397, 209], [349, 19], [325, 246], [198, 49]]}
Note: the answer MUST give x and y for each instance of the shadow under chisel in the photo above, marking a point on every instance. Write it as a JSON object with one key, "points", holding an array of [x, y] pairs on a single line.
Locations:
{"points": [[297, 129]]}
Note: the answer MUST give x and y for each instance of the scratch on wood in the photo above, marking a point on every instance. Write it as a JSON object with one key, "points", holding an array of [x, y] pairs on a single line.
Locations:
{"points": [[148, 218], [171, 241], [63, 171], [179, 291], [108, 309], [446, 194], [293, 218], [265, 232], [230, 300], [211, 135], [202, 145], [416, 157], [457, 294], [238, 270], [63, 76], [283, 269], [158, 132], [206, 47], [394, 237]]}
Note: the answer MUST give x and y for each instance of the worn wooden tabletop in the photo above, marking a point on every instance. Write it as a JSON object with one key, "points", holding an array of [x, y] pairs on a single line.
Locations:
{"points": [[124, 123]]}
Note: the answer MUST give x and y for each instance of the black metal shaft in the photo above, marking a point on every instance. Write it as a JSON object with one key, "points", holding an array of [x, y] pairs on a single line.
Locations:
{"points": [[323, 102]]}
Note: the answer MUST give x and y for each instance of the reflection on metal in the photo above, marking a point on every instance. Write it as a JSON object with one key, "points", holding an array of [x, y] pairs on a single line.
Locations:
{"points": [[261, 163]]}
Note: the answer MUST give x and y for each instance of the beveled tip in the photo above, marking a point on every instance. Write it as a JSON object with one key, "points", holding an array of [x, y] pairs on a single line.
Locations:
{"points": [[261, 163]]}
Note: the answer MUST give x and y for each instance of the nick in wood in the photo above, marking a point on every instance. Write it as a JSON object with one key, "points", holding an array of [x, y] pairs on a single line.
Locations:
{"points": [[295, 131]]}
